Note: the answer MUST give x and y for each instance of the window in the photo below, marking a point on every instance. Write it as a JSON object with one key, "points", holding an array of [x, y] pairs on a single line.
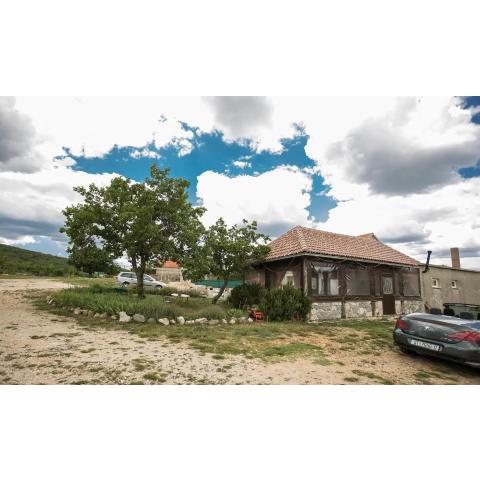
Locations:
{"points": [[288, 278], [148, 278], [357, 281], [324, 279], [454, 284], [435, 283], [410, 285]]}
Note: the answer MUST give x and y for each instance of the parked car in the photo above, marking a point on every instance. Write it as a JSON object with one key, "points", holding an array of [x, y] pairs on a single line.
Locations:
{"points": [[125, 279], [440, 336]]}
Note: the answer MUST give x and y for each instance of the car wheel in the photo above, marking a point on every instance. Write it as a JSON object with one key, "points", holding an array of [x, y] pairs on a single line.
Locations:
{"points": [[158, 287], [125, 284], [406, 350]]}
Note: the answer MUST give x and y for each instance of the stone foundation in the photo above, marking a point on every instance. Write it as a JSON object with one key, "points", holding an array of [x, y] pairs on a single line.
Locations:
{"points": [[358, 309], [325, 311], [413, 306]]}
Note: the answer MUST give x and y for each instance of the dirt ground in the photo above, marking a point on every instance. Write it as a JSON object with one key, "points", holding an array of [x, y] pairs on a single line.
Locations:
{"points": [[37, 347]]}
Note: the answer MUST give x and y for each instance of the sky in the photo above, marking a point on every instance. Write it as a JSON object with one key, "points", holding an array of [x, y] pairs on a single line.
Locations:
{"points": [[406, 168]]}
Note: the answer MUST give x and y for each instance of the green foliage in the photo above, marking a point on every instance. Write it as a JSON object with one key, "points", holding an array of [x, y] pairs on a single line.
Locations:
{"points": [[285, 303], [109, 300], [226, 252], [89, 258], [246, 294], [18, 260], [236, 312], [149, 221]]}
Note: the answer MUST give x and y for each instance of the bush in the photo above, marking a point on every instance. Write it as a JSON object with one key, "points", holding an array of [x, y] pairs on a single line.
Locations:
{"points": [[285, 303], [246, 294], [235, 312]]}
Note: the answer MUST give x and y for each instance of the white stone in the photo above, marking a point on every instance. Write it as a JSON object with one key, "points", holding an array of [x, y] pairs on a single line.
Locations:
{"points": [[201, 321], [180, 320], [224, 321], [151, 320], [97, 315], [213, 322], [172, 321], [249, 320], [189, 322], [232, 321], [123, 317], [77, 311], [139, 318], [164, 321]]}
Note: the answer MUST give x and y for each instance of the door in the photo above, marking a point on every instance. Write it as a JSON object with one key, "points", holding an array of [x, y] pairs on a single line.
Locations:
{"points": [[388, 300]]}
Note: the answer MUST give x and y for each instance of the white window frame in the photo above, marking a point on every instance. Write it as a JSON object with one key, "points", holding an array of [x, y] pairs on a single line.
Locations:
{"points": [[454, 284], [436, 283]]}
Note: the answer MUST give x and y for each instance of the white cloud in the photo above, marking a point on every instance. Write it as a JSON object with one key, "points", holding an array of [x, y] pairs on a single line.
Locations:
{"points": [[18, 139], [447, 217], [93, 125], [277, 199], [31, 203], [241, 164]]}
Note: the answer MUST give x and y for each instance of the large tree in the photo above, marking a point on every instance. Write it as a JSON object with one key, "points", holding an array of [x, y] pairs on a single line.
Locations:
{"points": [[89, 258], [227, 252], [151, 221]]}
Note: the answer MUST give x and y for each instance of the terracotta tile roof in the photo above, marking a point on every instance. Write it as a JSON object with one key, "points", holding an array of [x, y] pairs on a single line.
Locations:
{"points": [[301, 240], [170, 264]]}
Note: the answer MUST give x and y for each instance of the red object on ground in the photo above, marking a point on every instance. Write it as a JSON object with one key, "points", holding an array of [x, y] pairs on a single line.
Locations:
{"points": [[257, 316]]}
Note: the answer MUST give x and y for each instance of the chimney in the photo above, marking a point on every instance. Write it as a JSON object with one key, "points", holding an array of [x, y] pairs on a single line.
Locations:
{"points": [[455, 257]]}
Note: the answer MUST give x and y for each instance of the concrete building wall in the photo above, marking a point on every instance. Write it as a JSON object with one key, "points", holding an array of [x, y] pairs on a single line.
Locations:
{"points": [[466, 290]]}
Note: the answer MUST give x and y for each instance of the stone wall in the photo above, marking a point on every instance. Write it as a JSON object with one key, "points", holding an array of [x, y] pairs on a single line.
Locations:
{"points": [[325, 311], [358, 309], [413, 306]]}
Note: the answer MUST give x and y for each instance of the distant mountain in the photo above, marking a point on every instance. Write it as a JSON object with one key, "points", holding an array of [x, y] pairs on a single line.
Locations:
{"points": [[18, 260]]}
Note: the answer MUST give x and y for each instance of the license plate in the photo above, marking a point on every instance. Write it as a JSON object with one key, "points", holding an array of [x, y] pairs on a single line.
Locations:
{"points": [[428, 346]]}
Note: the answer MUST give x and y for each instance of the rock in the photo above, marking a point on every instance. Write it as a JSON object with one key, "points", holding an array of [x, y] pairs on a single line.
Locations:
{"points": [[103, 315], [189, 322], [180, 320], [201, 321], [250, 320], [172, 322], [113, 317], [137, 317], [151, 320], [77, 311], [242, 319], [232, 321], [224, 321], [213, 322], [164, 321], [97, 315], [123, 317]]}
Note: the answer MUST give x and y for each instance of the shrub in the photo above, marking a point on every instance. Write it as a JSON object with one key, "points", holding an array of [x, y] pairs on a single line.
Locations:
{"points": [[235, 312], [246, 294], [285, 303]]}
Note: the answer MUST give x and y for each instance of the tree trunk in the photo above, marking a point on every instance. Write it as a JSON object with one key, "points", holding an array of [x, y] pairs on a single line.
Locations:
{"points": [[140, 271], [220, 292]]}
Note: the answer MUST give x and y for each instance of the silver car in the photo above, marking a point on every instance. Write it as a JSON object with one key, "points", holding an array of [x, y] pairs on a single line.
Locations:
{"points": [[125, 279]]}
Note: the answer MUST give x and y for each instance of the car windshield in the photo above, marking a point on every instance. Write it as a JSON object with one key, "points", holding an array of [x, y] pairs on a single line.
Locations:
{"points": [[146, 277]]}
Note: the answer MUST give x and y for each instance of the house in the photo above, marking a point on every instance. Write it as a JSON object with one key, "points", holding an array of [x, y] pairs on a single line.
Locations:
{"points": [[443, 284], [170, 271], [346, 276]]}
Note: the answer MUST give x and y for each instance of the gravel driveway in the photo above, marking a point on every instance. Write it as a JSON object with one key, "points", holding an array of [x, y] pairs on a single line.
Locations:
{"points": [[38, 347]]}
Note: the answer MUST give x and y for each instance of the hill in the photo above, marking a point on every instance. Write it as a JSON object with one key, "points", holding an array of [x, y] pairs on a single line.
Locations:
{"points": [[18, 260]]}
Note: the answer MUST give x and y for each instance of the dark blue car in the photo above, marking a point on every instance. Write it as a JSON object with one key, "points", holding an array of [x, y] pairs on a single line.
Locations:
{"points": [[441, 336]]}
